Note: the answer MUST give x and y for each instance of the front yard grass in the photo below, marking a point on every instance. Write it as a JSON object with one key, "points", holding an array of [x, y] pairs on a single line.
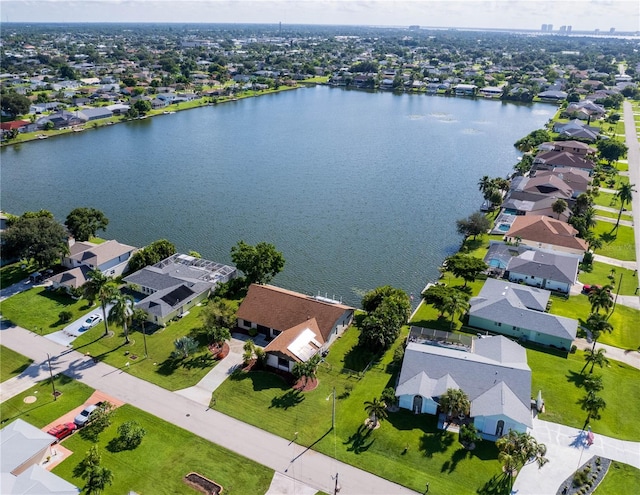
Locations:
{"points": [[607, 199], [158, 368], [611, 214], [407, 449], [15, 272], [621, 478], [624, 320], [167, 454], [12, 363], [600, 271], [45, 410], [557, 377], [617, 243], [37, 309]]}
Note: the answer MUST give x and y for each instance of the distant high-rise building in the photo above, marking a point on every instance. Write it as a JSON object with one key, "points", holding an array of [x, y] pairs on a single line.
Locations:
{"points": [[549, 28], [597, 31], [563, 29], [612, 30], [568, 29], [544, 28]]}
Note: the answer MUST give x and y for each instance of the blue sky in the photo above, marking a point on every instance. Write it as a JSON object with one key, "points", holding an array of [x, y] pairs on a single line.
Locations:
{"points": [[585, 15]]}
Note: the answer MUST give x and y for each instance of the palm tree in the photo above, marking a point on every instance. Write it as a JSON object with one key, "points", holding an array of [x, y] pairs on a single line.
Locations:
{"points": [[592, 404], [455, 403], [517, 449], [306, 369], [121, 313], [103, 288], [597, 325], [456, 303], [140, 317], [559, 206], [484, 184], [377, 411], [594, 357], [624, 194], [600, 298], [593, 383]]}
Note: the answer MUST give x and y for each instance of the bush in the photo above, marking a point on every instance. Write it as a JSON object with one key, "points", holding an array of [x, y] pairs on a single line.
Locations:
{"points": [[388, 396], [131, 434], [573, 350], [65, 316]]}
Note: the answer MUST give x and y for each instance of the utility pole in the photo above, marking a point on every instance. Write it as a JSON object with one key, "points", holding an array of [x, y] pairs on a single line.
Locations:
{"points": [[53, 385], [333, 414], [336, 489]]}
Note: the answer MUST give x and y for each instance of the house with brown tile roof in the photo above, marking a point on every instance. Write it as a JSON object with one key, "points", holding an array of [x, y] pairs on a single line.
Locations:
{"points": [[546, 233], [299, 325], [562, 159]]}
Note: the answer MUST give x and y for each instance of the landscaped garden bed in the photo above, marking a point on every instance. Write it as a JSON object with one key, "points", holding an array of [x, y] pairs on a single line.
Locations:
{"points": [[202, 484], [586, 479]]}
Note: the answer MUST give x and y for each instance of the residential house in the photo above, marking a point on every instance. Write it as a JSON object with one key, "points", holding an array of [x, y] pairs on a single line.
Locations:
{"points": [[491, 92], [493, 373], [577, 180], [299, 325], [519, 311], [546, 270], [72, 279], [548, 160], [465, 89], [584, 110], [60, 119], [176, 284], [577, 130], [553, 95], [88, 114], [110, 257], [535, 206], [546, 233], [24, 450]]}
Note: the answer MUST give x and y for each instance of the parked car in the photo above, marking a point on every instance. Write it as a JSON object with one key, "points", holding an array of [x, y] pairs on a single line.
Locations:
{"points": [[92, 321], [87, 414], [62, 431]]}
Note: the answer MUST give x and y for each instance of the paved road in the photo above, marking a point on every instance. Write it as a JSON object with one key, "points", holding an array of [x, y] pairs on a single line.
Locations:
{"points": [[311, 468], [633, 158]]}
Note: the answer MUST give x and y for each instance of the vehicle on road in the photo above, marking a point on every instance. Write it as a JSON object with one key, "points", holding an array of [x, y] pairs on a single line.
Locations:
{"points": [[91, 321], [62, 431], [86, 415]]}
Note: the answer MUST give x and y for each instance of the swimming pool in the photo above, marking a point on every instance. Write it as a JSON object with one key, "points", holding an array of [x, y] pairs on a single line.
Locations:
{"points": [[504, 227]]}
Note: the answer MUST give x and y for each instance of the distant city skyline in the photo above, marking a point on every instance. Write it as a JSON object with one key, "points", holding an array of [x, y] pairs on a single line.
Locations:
{"points": [[582, 15]]}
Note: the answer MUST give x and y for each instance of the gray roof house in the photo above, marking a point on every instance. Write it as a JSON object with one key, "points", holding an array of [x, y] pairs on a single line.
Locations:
{"points": [[551, 271], [23, 451], [519, 311], [176, 284], [88, 114], [493, 373]]}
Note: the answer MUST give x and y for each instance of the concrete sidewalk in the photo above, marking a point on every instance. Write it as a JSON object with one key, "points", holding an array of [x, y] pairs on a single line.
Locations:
{"points": [[629, 265], [307, 466], [567, 449]]}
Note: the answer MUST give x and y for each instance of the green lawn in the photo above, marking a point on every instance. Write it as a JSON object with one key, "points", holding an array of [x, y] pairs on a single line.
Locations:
{"points": [[557, 376], [167, 453], [407, 449], [38, 308], [45, 410], [624, 320], [611, 214], [607, 199], [618, 243], [11, 363], [15, 272], [598, 276], [158, 368], [620, 480]]}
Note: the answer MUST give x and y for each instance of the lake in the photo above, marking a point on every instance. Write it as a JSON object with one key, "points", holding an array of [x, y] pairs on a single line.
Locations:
{"points": [[356, 189]]}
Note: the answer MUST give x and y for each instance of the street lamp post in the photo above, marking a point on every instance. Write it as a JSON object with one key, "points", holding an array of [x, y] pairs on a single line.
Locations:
{"points": [[53, 385]]}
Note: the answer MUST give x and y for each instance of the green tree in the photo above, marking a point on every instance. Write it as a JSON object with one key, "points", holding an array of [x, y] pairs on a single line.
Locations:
{"points": [[139, 318], [131, 434], [36, 237], [306, 370], [14, 104], [598, 324], [455, 403], [102, 288], [456, 303], [593, 357], [600, 298], [559, 206], [121, 313], [90, 469], [142, 106], [259, 263], [377, 411], [151, 254], [388, 309], [484, 184], [592, 404], [611, 150], [625, 195], [100, 421], [517, 449], [474, 225], [184, 346], [593, 383], [465, 266], [83, 223]]}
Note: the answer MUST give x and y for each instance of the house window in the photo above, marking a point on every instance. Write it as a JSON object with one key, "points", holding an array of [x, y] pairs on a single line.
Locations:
{"points": [[499, 324], [283, 363]]}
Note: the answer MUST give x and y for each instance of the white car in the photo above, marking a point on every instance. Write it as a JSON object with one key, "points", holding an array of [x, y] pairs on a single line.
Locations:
{"points": [[86, 415], [92, 321]]}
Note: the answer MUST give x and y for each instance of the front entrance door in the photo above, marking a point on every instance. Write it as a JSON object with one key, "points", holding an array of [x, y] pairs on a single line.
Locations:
{"points": [[499, 428], [417, 404]]}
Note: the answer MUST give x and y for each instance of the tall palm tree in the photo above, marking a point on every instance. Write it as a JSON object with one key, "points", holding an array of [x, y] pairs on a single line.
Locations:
{"points": [[455, 402], [140, 317], [455, 303], [592, 404], [624, 194], [598, 324], [377, 411], [600, 298], [594, 357], [103, 288], [593, 383], [484, 184], [121, 313], [559, 206]]}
